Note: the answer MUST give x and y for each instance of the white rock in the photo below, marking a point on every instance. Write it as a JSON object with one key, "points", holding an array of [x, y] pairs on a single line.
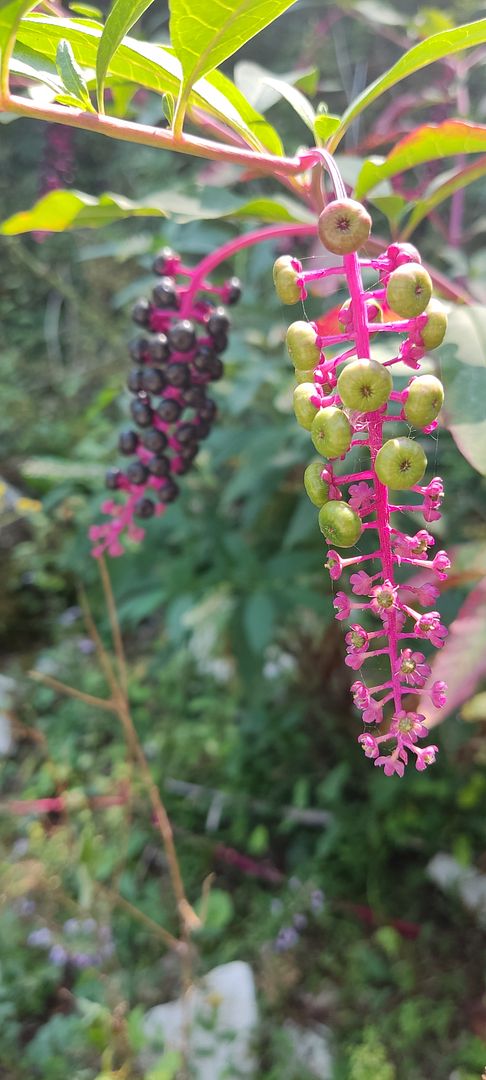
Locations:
{"points": [[216, 1020], [446, 872], [311, 1049]]}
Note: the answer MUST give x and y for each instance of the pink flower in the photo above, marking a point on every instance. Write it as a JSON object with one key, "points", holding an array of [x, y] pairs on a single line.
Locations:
{"points": [[430, 627], [361, 694], [439, 694], [425, 756], [361, 583], [391, 765], [356, 639], [408, 727], [355, 660], [399, 618], [373, 714], [384, 598], [433, 495], [342, 604], [369, 744], [361, 497], [412, 547], [441, 564], [412, 668], [426, 594], [335, 566]]}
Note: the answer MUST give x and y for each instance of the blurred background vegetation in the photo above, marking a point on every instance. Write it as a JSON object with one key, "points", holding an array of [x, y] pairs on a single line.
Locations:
{"points": [[237, 678]]}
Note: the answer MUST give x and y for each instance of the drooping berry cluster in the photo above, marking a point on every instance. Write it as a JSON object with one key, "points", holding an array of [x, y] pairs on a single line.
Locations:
{"points": [[345, 399], [178, 355]]}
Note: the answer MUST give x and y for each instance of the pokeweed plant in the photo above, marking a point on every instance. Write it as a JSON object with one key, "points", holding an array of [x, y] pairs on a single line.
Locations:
{"points": [[343, 398]]}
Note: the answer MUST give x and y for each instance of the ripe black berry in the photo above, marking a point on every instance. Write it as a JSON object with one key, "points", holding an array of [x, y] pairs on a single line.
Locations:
{"points": [[185, 433], [112, 479], [134, 381], [164, 293], [162, 263], [208, 410], [153, 380], [127, 442], [218, 322], [141, 412], [182, 336], [159, 466], [154, 440], [233, 290], [220, 342], [169, 410], [158, 348], [203, 359], [145, 508], [178, 375], [195, 397], [137, 473], [141, 312], [202, 428], [138, 348], [189, 450], [169, 491], [216, 369]]}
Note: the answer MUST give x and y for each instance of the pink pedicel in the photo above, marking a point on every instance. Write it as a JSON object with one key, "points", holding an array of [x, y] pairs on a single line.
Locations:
{"points": [[375, 594]]}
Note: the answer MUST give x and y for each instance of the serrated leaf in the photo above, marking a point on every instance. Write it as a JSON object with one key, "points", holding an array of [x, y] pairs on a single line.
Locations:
{"points": [[436, 47], [442, 191], [204, 35], [427, 143], [72, 77], [62, 210], [463, 369], [462, 662], [122, 16]]}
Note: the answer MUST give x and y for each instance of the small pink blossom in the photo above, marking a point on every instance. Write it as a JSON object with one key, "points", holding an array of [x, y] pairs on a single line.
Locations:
{"points": [[342, 604], [384, 598], [433, 495], [412, 547], [426, 594], [373, 714], [361, 694], [398, 617], [361, 497], [412, 668], [441, 564], [355, 660], [356, 639], [430, 627], [426, 755], [391, 765], [439, 694], [335, 566], [361, 583], [408, 726], [369, 744]]}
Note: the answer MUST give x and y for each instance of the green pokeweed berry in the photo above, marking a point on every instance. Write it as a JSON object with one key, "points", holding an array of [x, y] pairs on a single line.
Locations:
{"points": [[305, 411], [433, 333], [285, 280], [344, 226], [331, 432], [400, 463], [304, 376], [340, 524], [301, 345], [364, 385], [409, 290], [373, 310], [317, 489], [424, 401]]}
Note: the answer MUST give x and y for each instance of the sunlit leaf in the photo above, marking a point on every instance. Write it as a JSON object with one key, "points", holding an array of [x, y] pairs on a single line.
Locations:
{"points": [[295, 98], [427, 143], [462, 662], [10, 16], [436, 47], [122, 16], [72, 77], [442, 191]]}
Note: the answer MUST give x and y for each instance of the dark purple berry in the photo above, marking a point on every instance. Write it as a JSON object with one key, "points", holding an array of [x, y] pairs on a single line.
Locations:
{"points": [[158, 349], [169, 410], [184, 464], [234, 290], [134, 381], [141, 412], [185, 433], [159, 466], [202, 428], [195, 397], [141, 312], [155, 440], [163, 262], [220, 342], [164, 293], [178, 375], [208, 410], [112, 479], [182, 336], [218, 322], [216, 369], [188, 451], [138, 349], [127, 442], [203, 359], [169, 491], [153, 380], [137, 473], [144, 508]]}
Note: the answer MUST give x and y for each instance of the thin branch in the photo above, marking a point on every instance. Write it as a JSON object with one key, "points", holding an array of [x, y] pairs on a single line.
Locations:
{"points": [[136, 913], [114, 623], [71, 691]]}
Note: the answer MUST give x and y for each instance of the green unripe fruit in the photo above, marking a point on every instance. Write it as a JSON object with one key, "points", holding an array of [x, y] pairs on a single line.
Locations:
{"points": [[344, 226], [317, 489], [285, 280], [424, 401], [373, 310], [305, 411], [301, 345], [400, 464], [304, 376], [433, 333], [340, 524], [331, 432], [364, 385], [409, 290]]}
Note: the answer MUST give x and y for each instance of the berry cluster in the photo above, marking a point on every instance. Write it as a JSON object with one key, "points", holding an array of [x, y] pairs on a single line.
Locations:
{"points": [[344, 400], [171, 410]]}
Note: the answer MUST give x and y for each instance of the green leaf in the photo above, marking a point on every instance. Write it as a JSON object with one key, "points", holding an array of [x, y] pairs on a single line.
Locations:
{"points": [[464, 411], [324, 125], [442, 191], [300, 104], [38, 72], [392, 206], [72, 76], [10, 17], [446, 43], [123, 15], [259, 620], [62, 210], [89, 10], [205, 34], [427, 143]]}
